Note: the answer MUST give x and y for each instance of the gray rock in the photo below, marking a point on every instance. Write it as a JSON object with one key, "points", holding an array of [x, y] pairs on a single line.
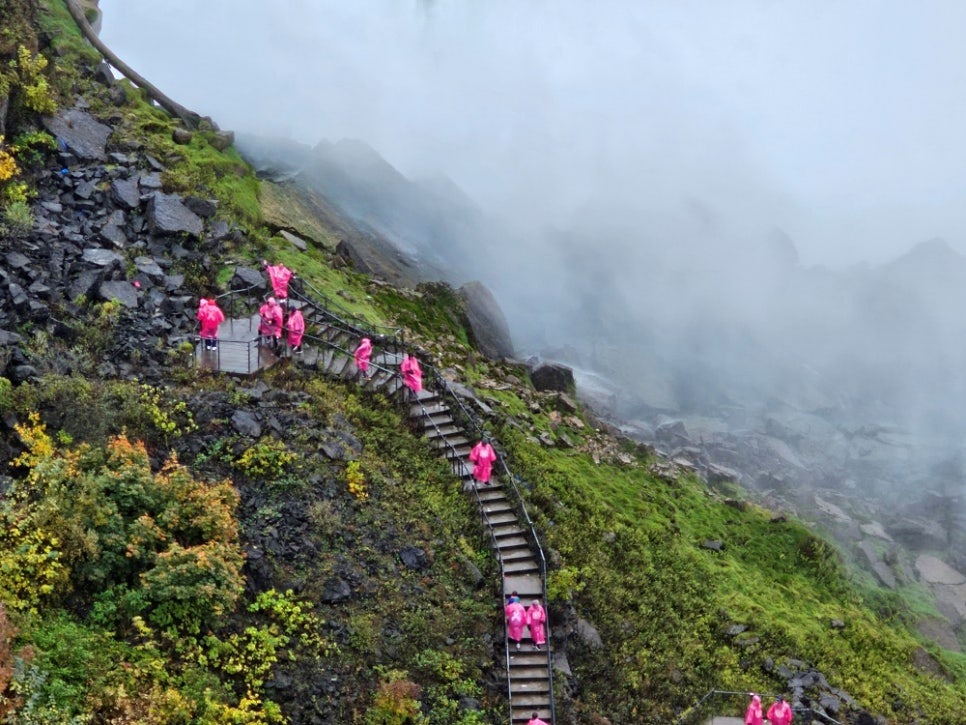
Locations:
{"points": [[181, 136], [16, 260], [245, 424], [553, 376], [150, 267], [8, 338], [18, 296], [672, 433], [246, 277], [469, 703], [102, 257], [85, 136], [114, 234], [84, 284], [125, 192], [122, 291], [588, 634], [222, 140], [167, 214], [335, 590], [150, 181], [413, 558], [22, 373], [205, 208], [295, 241], [487, 322]]}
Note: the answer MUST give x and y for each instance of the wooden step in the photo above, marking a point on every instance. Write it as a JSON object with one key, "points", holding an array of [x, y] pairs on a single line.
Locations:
{"points": [[521, 566], [437, 431]]}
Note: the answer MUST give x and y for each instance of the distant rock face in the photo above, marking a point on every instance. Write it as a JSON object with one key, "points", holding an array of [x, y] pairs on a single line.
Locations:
{"points": [[487, 323]]}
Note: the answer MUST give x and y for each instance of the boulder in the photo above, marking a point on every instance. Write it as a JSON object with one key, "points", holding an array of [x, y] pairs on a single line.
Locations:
{"points": [[84, 135], [488, 325], [245, 424], [167, 214], [554, 377], [122, 291], [125, 192]]}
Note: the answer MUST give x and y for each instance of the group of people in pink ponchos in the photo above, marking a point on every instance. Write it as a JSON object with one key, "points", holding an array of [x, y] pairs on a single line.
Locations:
{"points": [[272, 322], [780, 713], [518, 617], [272, 318]]}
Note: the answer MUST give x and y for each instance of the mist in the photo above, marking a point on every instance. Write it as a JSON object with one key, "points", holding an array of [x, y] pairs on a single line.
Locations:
{"points": [[746, 211]]}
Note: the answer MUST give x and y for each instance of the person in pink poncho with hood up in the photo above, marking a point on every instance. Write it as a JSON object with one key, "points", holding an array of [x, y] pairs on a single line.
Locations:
{"points": [[412, 373], [516, 618], [270, 324], [296, 329], [482, 457], [536, 619], [753, 715], [780, 712], [279, 275], [210, 316], [362, 355]]}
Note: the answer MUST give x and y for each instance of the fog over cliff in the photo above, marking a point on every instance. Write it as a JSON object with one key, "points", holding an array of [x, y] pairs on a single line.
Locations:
{"points": [[742, 214]]}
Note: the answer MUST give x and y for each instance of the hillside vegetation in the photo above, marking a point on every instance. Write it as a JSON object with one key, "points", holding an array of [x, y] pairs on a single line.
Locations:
{"points": [[160, 565]]}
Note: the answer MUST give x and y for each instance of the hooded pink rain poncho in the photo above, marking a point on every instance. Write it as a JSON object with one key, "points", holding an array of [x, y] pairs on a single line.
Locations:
{"points": [[516, 620], [362, 355], [412, 373], [780, 713], [296, 328], [534, 720], [210, 316], [482, 457], [270, 324], [536, 619], [279, 275], [753, 715]]}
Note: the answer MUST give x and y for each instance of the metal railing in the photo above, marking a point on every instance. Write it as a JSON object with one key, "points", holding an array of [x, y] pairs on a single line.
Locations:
{"points": [[730, 703]]}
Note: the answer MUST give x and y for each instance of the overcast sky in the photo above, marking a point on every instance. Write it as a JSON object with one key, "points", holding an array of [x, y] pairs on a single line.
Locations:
{"points": [[840, 122]]}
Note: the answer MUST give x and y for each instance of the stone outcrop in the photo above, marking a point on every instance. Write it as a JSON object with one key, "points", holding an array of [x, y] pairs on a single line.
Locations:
{"points": [[486, 321]]}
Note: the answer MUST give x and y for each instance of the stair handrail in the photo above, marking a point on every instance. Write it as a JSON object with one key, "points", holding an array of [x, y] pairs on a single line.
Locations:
{"points": [[298, 289], [691, 710]]}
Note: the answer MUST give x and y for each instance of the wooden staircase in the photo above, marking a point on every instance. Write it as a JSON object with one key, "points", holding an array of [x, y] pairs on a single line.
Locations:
{"points": [[529, 678]]}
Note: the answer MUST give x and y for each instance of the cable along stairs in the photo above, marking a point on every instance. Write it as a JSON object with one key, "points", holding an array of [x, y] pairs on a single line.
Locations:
{"points": [[451, 431]]}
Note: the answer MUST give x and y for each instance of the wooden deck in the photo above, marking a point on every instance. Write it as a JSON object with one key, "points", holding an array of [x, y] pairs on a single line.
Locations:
{"points": [[238, 350]]}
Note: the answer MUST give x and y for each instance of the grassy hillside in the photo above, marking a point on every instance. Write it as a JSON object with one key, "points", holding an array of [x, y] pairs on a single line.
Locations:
{"points": [[159, 566]]}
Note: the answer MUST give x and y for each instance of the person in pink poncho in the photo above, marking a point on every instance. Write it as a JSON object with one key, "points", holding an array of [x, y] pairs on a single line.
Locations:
{"points": [[210, 316], [482, 457], [516, 619], [535, 720], [536, 619], [780, 713], [270, 322], [753, 715], [279, 275], [412, 373], [296, 329], [362, 355]]}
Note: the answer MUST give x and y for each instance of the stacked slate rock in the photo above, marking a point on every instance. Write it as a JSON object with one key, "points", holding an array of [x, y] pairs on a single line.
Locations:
{"points": [[105, 229]]}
